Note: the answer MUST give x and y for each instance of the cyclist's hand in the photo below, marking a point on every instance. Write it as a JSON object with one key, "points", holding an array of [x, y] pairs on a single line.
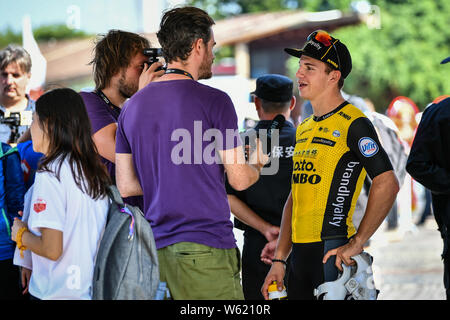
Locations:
{"points": [[276, 273], [344, 254]]}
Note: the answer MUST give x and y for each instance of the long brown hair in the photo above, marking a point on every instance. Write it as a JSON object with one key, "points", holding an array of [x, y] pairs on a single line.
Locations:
{"points": [[113, 52], [63, 117]]}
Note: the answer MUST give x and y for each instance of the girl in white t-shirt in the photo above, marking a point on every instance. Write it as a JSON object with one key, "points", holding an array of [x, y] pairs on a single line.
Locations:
{"points": [[69, 202]]}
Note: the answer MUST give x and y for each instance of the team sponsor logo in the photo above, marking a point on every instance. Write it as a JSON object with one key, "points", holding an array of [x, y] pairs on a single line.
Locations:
{"points": [[305, 131], [310, 153], [315, 44], [307, 175], [343, 195], [336, 133], [303, 178], [368, 147], [332, 62], [326, 116], [344, 115], [324, 129], [39, 205], [323, 141]]}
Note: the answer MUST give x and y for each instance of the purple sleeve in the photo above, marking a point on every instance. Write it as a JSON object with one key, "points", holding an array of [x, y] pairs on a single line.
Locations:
{"points": [[122, 144], [97, 112], [225, 120]]}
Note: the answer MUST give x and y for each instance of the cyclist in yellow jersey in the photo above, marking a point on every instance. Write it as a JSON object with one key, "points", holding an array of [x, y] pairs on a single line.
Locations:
{"points": [[335, 148]]}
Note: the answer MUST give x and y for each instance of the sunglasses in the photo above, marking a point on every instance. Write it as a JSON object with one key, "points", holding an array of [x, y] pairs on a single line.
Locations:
{"points": [[324, 38]]}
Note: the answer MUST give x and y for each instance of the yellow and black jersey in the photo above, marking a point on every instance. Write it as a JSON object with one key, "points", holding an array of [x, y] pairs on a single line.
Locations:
{"points": [[331, 157]]}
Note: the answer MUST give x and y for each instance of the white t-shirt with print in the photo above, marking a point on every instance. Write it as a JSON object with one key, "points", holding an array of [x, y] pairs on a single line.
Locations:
{"points": [[62, 206]]}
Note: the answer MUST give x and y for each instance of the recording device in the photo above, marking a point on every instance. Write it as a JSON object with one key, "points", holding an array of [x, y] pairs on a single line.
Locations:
{"points": [[276, 124], [16, 120], [153, 54], [249, 123]]}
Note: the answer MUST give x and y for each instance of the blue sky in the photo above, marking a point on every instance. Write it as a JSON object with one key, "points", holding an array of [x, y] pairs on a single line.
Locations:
{"points": [[95, 15]]}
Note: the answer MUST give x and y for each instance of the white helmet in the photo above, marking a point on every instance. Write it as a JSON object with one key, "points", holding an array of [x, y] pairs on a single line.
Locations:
{"points": [[355, 283]]}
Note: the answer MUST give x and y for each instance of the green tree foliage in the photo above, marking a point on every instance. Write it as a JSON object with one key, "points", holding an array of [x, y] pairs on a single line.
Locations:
{"points": [[58, 32], [400, 59], [9, 36], [42, 33], [403, 57], [225, 8]]}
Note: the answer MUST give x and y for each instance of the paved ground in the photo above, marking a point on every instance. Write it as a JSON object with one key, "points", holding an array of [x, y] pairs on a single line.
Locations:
{"points": [[408, 266]]}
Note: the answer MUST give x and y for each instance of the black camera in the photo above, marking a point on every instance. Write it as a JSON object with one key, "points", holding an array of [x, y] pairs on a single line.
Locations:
{"points": [[16, 120], [153, 54]]}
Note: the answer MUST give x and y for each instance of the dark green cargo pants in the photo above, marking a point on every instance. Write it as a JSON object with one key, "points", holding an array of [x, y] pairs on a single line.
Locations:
{"points": [[194, 271]]}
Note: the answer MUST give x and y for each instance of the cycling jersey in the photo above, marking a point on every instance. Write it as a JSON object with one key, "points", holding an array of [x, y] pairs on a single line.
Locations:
{"points": [[331, 157]]}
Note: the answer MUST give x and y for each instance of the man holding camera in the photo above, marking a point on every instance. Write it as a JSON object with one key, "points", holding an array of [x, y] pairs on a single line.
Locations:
{"points": [[182, 183], [16, 107], [120, 70]]}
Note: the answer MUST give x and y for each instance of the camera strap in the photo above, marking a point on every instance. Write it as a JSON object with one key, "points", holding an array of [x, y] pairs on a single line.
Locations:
{"points": [[179, 71], [113, 109]]}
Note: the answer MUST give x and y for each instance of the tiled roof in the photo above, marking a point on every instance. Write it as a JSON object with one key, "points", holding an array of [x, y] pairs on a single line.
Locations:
{"points": [[69, 60]]}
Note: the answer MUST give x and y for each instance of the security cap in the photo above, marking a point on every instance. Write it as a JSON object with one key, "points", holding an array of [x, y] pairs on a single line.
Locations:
{"points": [[274, 88]]}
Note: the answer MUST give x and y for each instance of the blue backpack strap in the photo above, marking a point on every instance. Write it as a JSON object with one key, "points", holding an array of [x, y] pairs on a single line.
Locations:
{"points": [[2, 156]]}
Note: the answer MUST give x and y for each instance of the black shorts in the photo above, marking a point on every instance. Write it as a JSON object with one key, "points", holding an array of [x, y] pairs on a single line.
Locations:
{"points": [[307, 270]]}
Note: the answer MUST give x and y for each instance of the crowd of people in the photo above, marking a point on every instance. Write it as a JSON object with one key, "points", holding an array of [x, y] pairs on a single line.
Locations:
{"points": [[172, 147]]}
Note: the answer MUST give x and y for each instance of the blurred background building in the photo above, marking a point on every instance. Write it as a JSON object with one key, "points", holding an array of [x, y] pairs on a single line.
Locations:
{"points": [[248, 45]]}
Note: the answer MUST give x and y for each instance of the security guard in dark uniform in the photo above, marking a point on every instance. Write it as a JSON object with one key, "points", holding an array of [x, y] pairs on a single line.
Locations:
{"points": [[429, 164], [259, 208]]}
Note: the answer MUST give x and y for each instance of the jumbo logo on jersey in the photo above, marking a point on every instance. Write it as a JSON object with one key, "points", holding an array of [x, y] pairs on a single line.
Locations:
{"points": [[368, 147], [40, 205], [305, 177]]}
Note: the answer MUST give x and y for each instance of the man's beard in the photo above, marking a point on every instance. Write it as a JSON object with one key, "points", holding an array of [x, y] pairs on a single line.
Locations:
{"points": [[205, 70], [126, 89]]}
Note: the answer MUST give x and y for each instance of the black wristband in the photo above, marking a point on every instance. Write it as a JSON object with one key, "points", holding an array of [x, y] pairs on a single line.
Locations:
{"points": [[279, 260]]}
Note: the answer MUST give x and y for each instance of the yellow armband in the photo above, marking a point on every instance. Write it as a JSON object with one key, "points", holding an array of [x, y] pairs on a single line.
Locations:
{"points": [[20, 245]]}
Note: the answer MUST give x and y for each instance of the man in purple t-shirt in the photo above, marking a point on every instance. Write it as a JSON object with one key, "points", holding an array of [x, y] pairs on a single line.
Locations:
{"points": [[120, 69], [167, 137]]}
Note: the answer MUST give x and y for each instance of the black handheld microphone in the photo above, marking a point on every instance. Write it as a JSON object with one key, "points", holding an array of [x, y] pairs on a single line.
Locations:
{"points": [[277, 124]]}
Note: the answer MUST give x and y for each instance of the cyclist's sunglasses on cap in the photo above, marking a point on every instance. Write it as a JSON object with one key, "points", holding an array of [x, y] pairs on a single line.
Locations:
{"points": [[324, 38], [319, 46]]}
